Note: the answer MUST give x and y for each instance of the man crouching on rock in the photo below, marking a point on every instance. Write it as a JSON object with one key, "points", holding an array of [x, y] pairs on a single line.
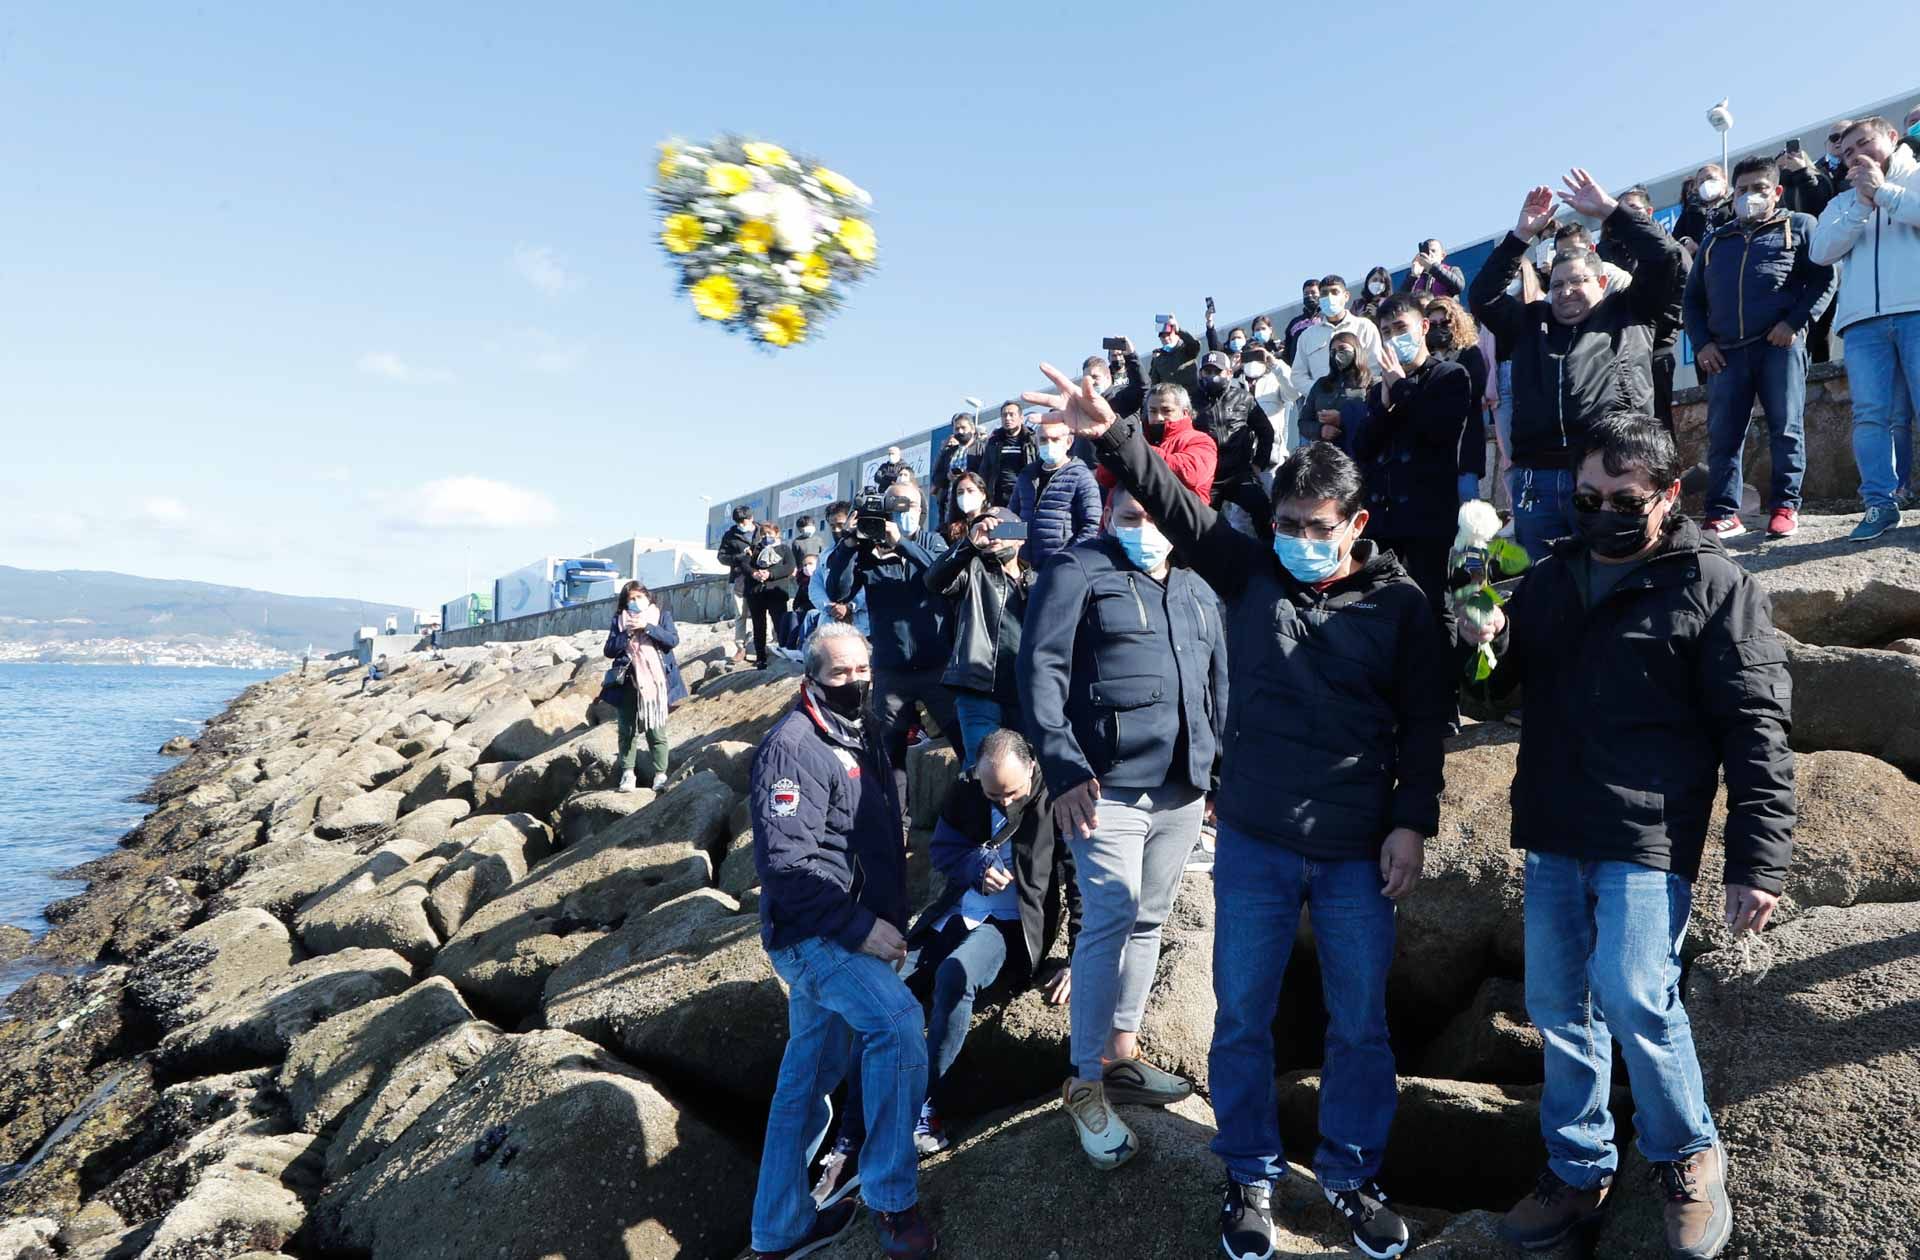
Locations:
{"points": [[1651, 664], [833, 913]]}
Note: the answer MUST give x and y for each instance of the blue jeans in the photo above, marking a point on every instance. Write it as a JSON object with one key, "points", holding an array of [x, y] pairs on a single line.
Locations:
{"points": [[1882, 355], [1258, 889], [1605, 937], [1469, 487], [1542, 508], [1777, 376], [834, 996], [980, 716]]}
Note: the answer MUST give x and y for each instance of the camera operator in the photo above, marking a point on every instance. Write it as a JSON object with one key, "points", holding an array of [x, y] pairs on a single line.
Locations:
{"points": [[912, 631]]}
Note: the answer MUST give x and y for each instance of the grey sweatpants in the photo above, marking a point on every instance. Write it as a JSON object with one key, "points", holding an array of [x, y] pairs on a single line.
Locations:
{"points": [[1129, 871]]}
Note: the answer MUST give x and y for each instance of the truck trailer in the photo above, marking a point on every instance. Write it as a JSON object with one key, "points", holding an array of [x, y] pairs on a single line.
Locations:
{"points": [[553, 582]]}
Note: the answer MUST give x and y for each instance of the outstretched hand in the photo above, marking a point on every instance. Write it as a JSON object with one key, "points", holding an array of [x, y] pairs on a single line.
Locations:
{"points": [[1535, 212], [1584, 193], [1079, 405]]}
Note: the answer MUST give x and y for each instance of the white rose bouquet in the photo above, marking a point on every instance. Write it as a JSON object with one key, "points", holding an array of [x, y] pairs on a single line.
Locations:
{"points": [[1479, 558]]}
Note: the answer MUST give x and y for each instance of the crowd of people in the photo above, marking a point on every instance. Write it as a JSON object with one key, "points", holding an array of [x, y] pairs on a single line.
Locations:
{"points": [[1206, 592]]}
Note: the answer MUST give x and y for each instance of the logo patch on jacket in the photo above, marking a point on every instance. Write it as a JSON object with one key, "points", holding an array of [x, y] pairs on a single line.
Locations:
{"points": [[786, 798]]}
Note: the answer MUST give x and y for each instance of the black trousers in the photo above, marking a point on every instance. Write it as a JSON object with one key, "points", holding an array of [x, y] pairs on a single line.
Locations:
{"points": [[765, 602], [1425, 560], [895, 692], [1663, 369]]}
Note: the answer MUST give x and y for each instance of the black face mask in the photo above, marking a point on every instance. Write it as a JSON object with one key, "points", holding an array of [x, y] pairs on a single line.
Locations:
{"points": [[1213, 386], [1341, 359], [1614, 536], [849, 699], [1440, 338]]}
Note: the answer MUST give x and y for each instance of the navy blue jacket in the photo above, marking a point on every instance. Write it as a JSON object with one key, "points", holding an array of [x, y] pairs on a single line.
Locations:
{"points": [[1060, 512], [1343, 694], [1409, 450], [911, 628], [666, 638], [1118, 671], [826, 831], [1747, 279]]}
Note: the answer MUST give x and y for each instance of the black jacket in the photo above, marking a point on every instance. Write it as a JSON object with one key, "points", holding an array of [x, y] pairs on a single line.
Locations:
{"points": [[1342, 696], [736, 550], [1129, 396], [910, 628], [1636, 706], [1334, 393], [1002, 458], [988, 607], [1240, 429], [1409, 450], [826, 830], [1179, 366], [1565, 378], [950, 463], [1666, 327], [1473, 439], [963, 845], [1808, 191], [1697, 222], [777, 560], [1119, 672]]}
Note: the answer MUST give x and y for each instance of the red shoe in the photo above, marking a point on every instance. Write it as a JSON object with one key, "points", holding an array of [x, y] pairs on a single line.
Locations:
{"points": [[1783, 522]]}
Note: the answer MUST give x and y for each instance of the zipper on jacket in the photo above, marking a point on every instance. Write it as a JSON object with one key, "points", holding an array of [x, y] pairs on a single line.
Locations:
{"points": [[1138, 603], [1740, 291], [1876, 260]]}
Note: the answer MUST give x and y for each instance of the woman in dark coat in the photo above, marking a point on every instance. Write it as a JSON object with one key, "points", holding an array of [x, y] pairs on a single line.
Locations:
{"points": [[645, 683]]}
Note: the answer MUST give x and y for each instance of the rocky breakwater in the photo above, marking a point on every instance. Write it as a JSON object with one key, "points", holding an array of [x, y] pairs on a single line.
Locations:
{"points": [[394, 974]]}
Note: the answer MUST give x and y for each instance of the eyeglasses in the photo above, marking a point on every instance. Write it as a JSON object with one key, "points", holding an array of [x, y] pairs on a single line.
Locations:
{"points": [[1314, 530], [1622, 503]]}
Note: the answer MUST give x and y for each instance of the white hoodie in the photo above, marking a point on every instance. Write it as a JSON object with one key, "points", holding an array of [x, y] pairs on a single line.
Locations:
{"points": [[1877, 246]]}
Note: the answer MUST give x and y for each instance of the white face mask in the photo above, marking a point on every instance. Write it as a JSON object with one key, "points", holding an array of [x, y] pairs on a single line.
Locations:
{"points": [[1712, 190], [1376, 288], [970, 502], [1753, 205], [1254, 370]]}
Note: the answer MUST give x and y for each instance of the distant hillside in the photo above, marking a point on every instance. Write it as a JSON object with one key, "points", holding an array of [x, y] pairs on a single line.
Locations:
{"points": [[74, 604]]}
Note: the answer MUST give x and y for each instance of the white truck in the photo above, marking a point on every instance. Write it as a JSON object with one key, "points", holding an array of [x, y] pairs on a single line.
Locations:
{"points": [[553, 582]]}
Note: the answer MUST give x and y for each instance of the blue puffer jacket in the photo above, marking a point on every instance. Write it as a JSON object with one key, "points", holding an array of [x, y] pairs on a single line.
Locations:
{"points": [[1060, 511], [1746, 279]]}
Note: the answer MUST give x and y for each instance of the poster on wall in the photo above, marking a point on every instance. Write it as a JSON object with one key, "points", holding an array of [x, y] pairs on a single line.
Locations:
{"points": [[809, 496], [720, 520], [916, 457]]}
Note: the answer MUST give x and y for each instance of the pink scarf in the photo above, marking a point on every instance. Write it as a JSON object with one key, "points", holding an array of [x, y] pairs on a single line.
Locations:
{"points": [[647, 676]]}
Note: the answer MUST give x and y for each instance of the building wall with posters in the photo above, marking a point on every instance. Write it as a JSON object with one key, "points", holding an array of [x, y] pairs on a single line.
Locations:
{"points": [[1469, 257], [809, 493]]}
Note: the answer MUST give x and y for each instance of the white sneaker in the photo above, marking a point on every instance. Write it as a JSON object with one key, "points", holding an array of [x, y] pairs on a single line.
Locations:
{"points": [[659, 781], [627, 782], [1104, 1136]]}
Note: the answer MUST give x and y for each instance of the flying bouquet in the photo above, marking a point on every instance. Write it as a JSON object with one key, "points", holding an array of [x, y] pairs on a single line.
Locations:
{"points": [[767, 243], [1472, 566]]}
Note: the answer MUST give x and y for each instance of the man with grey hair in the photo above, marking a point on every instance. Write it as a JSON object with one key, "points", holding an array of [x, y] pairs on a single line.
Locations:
{"points": [[833, 914], [1168, 424]]}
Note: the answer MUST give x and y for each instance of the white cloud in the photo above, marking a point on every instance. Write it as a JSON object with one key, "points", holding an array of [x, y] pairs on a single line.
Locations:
{"points": [[390, 366], [543, 268], [465, 503], [162, 512]]}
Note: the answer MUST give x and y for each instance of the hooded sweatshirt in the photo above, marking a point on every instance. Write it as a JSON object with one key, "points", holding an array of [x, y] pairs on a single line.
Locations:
{"points": [[1880, 245]]}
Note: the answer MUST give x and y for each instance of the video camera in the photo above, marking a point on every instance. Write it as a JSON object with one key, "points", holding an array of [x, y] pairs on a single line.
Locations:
{"points": [[873, 511]]}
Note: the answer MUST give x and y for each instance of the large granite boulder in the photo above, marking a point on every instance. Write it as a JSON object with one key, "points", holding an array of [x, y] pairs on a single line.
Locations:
{"points": [[1828, 591], [255, 1027], [544, 726], [496, 851], [330, 1067], [539, 784], [204, 966], [1857, 699], [410, 1085], [547, 1147]]}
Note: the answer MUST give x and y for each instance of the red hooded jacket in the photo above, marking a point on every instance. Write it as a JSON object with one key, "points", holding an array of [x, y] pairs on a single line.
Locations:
{"points": [[1190, 453]]}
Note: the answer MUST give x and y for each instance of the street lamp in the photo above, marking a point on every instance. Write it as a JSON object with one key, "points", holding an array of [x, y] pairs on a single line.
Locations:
{"points": [[1720, 118]]}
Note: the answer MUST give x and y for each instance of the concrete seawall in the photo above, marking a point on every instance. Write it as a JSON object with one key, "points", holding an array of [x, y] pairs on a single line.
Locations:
{"points": [[704, 599]]}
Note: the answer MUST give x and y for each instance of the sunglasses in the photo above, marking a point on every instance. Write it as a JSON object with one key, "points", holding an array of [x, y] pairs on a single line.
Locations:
{"points": [[1622, 503]]}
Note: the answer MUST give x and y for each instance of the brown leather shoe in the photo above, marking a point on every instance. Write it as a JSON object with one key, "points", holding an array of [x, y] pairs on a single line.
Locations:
{"points": [[1554, 1210], [1699, 1218]]}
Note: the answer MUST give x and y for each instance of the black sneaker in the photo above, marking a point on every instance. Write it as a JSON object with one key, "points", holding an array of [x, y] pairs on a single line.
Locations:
{"points": [[1377, 1229], [1246, 1222], [839, 1175], [828, 1225]]}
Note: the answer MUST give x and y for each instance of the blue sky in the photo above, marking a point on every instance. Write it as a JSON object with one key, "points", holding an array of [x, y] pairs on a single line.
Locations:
{"points": [[277, 279]]}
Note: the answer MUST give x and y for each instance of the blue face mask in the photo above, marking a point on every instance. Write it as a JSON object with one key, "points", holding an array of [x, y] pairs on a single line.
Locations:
{"points": [[1407, 347], [1146, 547], [1331, 307], [1261, 335], [1237, 344], [633, 606], [1051, 456], [1309, 560]]}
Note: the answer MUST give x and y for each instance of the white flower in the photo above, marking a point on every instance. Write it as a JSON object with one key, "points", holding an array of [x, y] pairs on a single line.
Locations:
{"points": [[1478, 524], [795, 224], [757, 204]]}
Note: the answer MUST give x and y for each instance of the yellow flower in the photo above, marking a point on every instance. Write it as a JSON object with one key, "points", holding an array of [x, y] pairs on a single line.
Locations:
{"points": [[815, 273], [669, 161], [717, 297], [728, 178], [762, 154], [836, 183], [682, 233], [754, 236], [856, 237], [784, 325]]}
